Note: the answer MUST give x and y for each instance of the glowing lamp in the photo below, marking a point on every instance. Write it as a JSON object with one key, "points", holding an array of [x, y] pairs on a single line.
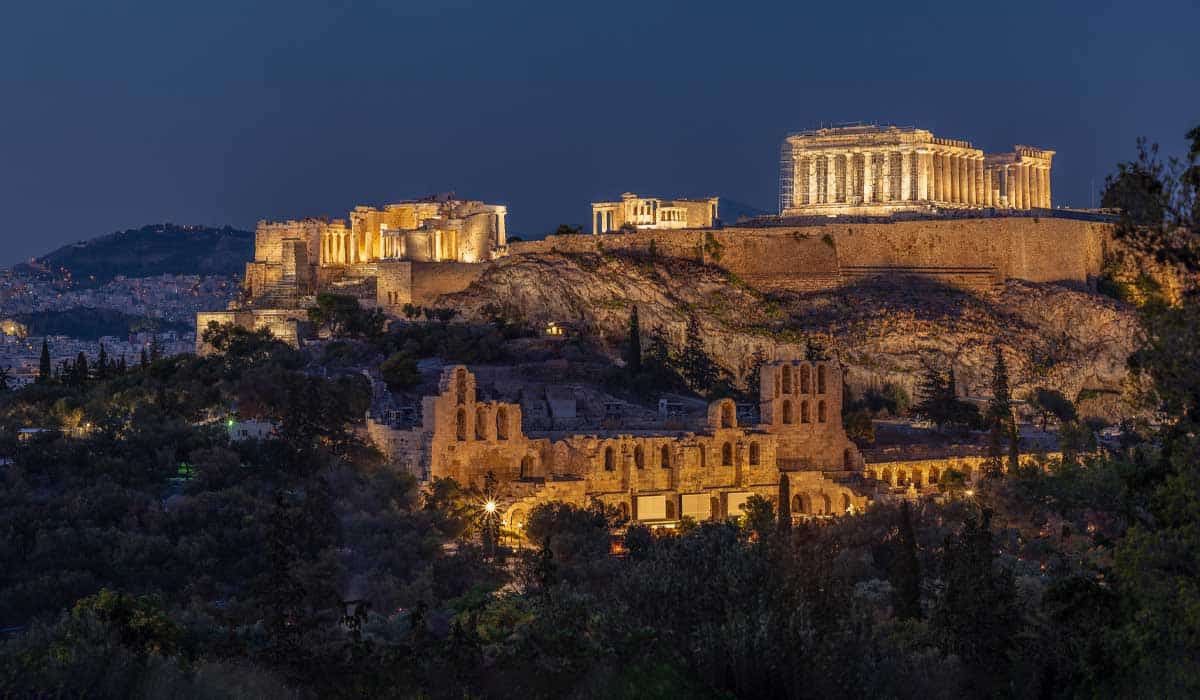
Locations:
{"points": [[490, 506]]}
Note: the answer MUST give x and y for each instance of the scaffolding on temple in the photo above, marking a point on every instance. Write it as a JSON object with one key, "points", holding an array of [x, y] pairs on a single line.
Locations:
{"points": [[787, 177]]}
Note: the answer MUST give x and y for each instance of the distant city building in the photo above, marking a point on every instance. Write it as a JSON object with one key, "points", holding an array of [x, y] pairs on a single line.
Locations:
{"points": [[877, 170], [652, 212]]}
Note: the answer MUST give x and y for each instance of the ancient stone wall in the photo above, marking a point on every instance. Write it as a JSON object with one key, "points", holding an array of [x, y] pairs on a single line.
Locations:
{"points": [[393, 286], [963, 251], [431, 280], [288, 325]]}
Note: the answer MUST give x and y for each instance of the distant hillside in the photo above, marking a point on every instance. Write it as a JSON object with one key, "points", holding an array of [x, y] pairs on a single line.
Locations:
{"points": [[148, 251]]}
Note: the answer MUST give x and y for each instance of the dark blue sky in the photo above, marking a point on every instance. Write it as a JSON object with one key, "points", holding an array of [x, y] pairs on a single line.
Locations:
{"points": [[116, 114]]}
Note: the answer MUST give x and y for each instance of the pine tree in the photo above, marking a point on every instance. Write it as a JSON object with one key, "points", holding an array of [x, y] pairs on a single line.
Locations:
{"points": [[906, 570], [81, 369], [659, 351], [102, 368], [634, 361], [932, 393], [1002, 427], [697, 367], [44, 366]]}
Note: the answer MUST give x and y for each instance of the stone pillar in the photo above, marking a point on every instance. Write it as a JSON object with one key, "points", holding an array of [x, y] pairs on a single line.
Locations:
{"points": [[936, 177], [964, 179], [1026, 190], [980, 198], [906, 158], [501, 230], [923, 169], [830, 178], [885, 181], [812, 179], [868, 177], [1045, 173]]}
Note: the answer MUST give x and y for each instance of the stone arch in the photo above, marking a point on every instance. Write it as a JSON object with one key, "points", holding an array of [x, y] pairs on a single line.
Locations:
{"points": [[787, 379], [788, 418], [805, 380], [804, 417], [827, 503], [610, 460], [916, 477], [460, 425], [797, 504], [728, 414], [481, 421], [821, 412], [516, 519], [820, 379], [727, 455], [460, 385], [665, 457], [934, 474], [527, 466], [901, 477], [502, 423], [754, 454], [639, 457], [846, 503]]}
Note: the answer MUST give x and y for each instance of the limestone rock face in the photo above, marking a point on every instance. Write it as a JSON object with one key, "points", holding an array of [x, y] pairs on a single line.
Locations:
{"points": [[882, 331]]}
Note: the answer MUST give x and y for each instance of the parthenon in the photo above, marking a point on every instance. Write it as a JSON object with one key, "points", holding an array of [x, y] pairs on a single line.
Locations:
{"points": [[877, 170]]}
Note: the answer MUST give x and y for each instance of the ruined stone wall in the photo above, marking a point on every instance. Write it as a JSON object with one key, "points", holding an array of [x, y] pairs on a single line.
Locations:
{"points": [[957, 251], [393, 286], [402, 448], [431, 280], [288, 325]]}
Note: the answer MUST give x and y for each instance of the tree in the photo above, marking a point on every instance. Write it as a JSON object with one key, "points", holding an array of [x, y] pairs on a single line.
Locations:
{"points": [[697, 368], [754, 372], [400, 372], [411, 312], [906, 571], [102, 367], [344, 317], [80, 375], [1051, 403], [633, 361], [785, 503], [758, 517], [567, 230], [5, 377], [44, 367], [1002, 426]]}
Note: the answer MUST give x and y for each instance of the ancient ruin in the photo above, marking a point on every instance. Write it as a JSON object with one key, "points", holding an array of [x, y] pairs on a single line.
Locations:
{"points": [[876, 170], [634, 212], [654, 476]]}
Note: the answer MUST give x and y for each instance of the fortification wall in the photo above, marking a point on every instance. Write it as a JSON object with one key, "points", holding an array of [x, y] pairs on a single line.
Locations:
{"points": [[957, 251], [431, 280]]}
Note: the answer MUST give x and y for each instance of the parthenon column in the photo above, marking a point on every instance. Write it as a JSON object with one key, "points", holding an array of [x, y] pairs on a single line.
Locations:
{"points": [[1026, 202], [922, 175], [980, 198], [1035, 187], [1045, 188], [812, 179], [831, 178], [906, 158], [936, 177], [885, 181], [965, 179], [868, 190]]}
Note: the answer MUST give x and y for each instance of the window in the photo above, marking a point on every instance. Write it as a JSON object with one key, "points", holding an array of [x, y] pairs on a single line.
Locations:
{"points": [[461, 425], [502, 423], [460, 383], [727, 455], [787, 379], [804, 417], [754, 456], [820, 411], [821, 379], [703, 457], [787, 412], [727, 417], [609, 462], [666, 457], [527, 467], [805, 383], [639, 457]]}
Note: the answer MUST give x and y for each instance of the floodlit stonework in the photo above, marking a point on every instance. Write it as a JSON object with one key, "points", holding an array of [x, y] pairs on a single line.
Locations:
{"points": [[653, 213], [653, 476], [877, 170]]}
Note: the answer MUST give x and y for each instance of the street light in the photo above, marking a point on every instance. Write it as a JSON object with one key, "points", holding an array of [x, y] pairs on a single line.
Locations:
{"points": [[490, 506]]}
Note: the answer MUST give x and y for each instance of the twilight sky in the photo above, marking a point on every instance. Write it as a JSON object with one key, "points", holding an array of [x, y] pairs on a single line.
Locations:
{"points": [[121, 113]]}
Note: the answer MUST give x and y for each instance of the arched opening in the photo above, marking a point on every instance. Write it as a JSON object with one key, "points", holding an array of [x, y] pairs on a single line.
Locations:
{"points": [[845, 503], [821, 379], [754, 454], [502, 423], [481, 423], [727, 415], [787, 379], [670, 508], [727, 455], [847, 459], [703, 457], [639, 457], [933, 475], [527, 467], [787, 412], [916, 477], [804, 417], [460, 425], [806, 505], [610, 463], [901, 477], [805, 380], [460, 385], [516, 519], [827, 502], [665, 457], [797, 504], [820, 411]]}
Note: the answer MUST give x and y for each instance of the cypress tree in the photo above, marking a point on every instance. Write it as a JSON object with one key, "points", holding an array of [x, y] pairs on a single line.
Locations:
{"points": [[81, 369], [634, 361], [785, 504], [697, 367], [102, 363], [906, 569], [44, 367], [1003, 429]]}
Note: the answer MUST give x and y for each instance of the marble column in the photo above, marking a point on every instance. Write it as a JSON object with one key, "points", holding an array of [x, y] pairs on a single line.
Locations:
{"points": [[980, 193], [922, 176], [868, 190], [937, 177], [906, 158], [830, 178], [964, 179], [1045, 172], [812, 179], [1026, 190], [885, 180]]}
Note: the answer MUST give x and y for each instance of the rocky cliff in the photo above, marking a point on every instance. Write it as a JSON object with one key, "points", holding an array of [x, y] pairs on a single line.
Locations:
{"points": [[883, 330]]}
